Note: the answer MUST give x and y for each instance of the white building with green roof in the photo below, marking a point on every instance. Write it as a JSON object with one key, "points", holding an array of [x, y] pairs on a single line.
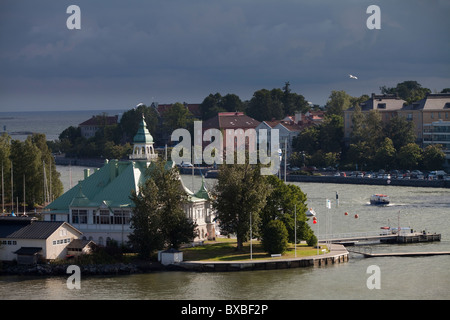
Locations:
{"points": [[100, 205]]}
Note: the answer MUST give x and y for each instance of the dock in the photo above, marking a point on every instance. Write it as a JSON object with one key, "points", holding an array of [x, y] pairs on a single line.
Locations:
{"points": [[401, 254], [382, 237], [337, 254]]}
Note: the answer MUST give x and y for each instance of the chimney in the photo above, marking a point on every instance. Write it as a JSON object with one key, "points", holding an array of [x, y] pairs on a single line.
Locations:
{"points": [[298, 117]]}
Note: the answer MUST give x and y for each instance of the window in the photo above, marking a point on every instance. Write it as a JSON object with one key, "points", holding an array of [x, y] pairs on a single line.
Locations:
{"points": [[102, 217], [9, 242], [61, 241], [121, 217], [79, 216]]}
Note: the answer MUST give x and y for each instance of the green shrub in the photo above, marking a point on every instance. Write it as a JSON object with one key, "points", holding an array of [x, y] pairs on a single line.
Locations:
{"points": [[275, 237]]}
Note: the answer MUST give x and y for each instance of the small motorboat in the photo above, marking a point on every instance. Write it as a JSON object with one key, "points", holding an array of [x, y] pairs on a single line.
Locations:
{"points": [[310, 212], [379, 199]]}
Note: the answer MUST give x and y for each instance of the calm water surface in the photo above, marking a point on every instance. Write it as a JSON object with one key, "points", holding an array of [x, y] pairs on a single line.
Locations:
{"points": [[401, 277]]}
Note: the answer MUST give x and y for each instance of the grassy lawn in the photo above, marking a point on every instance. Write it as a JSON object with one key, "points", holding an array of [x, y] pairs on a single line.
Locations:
{"points": [[224, 249]]}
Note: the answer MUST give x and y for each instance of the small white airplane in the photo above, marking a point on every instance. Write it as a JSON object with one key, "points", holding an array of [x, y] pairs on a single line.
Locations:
{"points": [[353, 77]]}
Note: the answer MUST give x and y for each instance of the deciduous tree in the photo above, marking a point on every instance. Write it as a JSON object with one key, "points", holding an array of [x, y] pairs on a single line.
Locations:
{"points": [[240, 194]]}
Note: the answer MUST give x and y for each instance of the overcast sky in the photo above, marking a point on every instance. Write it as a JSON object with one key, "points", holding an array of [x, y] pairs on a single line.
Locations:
{"points": [[128, 52]]}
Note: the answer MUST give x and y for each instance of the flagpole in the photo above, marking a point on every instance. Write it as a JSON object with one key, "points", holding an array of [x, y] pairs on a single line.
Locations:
{"points": [[251, 251], [295, 220]]}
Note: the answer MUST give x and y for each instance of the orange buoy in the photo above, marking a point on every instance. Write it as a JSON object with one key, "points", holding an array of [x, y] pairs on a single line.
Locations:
{"points": [[346, 213]]}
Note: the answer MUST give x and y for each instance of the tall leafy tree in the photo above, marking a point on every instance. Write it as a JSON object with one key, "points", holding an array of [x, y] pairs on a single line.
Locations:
{"points": [[211, 105], [266, 105], [338, 102], [285, 203], [331, 133], [178, 116], [433, 157], [5, 152], [240, 194], [159, 211], [145, 221], [385, 155], [409, 156], [26, 162], [400, 131], [293, 102], [409, 91]]}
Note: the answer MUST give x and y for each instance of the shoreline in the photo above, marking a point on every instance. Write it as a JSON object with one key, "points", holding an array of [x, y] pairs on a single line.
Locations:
{"points": [[338, 254], [212, 174]]}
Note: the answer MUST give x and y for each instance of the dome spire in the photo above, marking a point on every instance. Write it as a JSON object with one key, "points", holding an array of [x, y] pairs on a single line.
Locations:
{"points": [[143, 143]]}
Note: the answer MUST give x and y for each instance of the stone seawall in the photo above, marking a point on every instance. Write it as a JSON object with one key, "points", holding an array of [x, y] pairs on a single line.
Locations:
{"points": [[337, 255]]}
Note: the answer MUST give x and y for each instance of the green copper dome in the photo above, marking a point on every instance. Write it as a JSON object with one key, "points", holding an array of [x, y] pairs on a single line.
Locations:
{"points": [[143, 135]]}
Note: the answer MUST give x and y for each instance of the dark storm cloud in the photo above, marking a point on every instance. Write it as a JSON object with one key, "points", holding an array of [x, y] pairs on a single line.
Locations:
{"points": [[132, 51]]}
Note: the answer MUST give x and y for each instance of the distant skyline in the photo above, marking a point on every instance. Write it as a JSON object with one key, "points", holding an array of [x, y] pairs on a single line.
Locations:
{"points": [[128, 52]]}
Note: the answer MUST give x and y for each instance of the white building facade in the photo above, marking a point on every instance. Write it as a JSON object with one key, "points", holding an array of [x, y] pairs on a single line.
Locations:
{"points": [[100, 205]]}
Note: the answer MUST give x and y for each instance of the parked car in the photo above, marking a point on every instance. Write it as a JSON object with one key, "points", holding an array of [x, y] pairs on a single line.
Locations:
{"points": [[186, 164]]}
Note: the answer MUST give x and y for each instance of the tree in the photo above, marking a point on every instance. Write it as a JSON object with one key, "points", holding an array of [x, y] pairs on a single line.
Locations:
{"points": [[29, 158], [409, 156], [385, 155], [232, 103], [308, 140], [178, 116], [145, 237], [266, 105], [53, 176], [358, 118], [409, 91], [5, 152], [433, 157], [26, 162], [293, 102], [275, 238], [331, 133], [400, 131], [130, 121], [284, 203], [159, 219], [240, 194], [211, 105], [338, 102]]}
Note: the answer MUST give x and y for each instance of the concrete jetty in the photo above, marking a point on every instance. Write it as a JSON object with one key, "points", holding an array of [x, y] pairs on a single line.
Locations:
{"points": [[402, 254], [338, 254], [413, 237]]}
